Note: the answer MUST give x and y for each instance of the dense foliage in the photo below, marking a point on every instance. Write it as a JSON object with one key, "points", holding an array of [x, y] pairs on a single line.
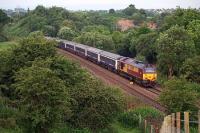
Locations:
{"points": [[3, 20], [180, 95], [44, 89]]}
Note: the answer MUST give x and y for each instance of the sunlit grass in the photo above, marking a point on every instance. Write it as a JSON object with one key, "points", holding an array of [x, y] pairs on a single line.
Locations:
{"points": [[5, 45]]}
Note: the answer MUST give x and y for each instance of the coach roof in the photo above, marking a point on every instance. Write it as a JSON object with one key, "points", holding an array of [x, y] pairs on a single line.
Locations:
{"points": [[94, 50], [110, 55]]}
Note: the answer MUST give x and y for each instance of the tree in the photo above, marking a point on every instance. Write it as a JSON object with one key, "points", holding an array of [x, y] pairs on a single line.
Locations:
{"points": [[3, 20], [181, 17], [23, 55], [42, 97], [138, 18], [174, 47], [97, 28], [117, 39], [130, 10], [40, 11], [190, 69], [146, 46], [35, 22], [111, 11], [31, 48], [96, 39], [133, 36], [49, 30], [70, 72], [66, 33], [179, 96], [68, 23], [193, 29], [95, 105]]}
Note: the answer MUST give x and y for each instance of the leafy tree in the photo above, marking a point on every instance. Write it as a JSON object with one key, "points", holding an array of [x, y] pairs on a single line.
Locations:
{"points": [[117, 37], [42, 98], [191, 69], [179, 95], [132, 37], [70, 72], [95, 105], [68, 23], [31, 48], [49, 30], [3, 20], [6, 72], [146, 46], [35, 22], [96, 39], [193, 29], [66, 33], [22, 55], [130, 10], [100, 28], [181, 17], [40, 11], [138, 18], [174, 47], [111, 11]]}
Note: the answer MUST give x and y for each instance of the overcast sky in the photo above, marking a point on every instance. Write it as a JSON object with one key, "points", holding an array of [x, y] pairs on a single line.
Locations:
{"points": [[99, 4]]}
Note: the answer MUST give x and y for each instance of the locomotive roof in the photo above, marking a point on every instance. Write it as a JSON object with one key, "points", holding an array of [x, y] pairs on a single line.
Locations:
{"points": [[133, 62], [111, 55], [96, 50]]}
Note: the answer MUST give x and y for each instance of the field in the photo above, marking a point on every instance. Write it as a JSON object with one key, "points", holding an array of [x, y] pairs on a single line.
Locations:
{"points": [[5, 45]]}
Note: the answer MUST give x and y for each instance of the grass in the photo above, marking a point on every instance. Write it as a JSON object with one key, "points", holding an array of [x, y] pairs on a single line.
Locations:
{"points": [[120, 129], [5, 45]]}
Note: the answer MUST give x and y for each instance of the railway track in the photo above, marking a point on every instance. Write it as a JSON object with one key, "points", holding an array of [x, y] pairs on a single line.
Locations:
{"points": [[148, 96]]}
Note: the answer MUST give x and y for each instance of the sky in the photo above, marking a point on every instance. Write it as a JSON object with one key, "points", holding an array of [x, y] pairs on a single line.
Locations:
{"points": [[99, 4]]}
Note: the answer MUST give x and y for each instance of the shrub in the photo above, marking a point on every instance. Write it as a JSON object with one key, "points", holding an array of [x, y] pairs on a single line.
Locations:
{"points": [[132, 117], [129, 119], [94, 105]]}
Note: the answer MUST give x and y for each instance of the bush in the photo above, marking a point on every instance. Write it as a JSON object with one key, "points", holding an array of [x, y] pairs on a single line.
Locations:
{"points": [[94, 105], [66, 33], [129, 119], [132, 117], [148, 112], [180, 95]]}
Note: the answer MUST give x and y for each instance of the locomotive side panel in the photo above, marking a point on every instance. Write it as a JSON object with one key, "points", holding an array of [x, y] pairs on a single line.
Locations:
{"points": [[135, 72]]}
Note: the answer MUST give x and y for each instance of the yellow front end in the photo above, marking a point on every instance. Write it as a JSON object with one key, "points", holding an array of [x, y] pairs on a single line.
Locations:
{"points": [[150, 76]]}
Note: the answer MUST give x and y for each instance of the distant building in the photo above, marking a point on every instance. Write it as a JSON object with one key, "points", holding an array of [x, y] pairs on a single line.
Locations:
{"points": [[20, 10]]}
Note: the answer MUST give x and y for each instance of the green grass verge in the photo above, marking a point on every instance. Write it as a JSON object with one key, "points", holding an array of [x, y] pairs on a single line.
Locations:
{"points": [[5, 45], [120, 129]]}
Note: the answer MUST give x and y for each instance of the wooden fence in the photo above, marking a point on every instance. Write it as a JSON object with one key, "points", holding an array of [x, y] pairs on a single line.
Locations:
{"points": [[174, 123]]}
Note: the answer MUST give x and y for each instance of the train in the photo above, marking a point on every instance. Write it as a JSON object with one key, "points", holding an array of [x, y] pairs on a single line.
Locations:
{"points": [[132, 69]]}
